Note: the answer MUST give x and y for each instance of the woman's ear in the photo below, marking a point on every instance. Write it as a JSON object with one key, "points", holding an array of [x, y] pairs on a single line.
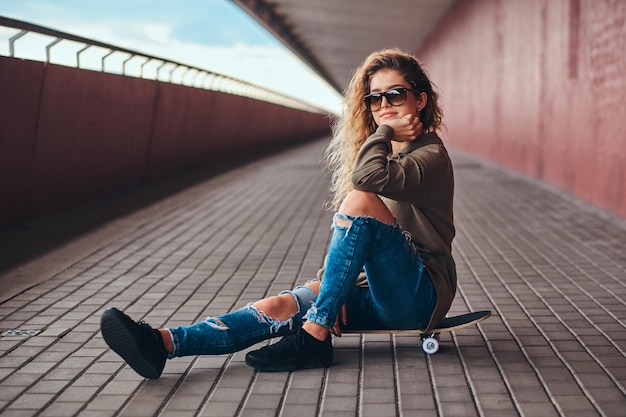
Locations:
{"points": [[422, 100]]}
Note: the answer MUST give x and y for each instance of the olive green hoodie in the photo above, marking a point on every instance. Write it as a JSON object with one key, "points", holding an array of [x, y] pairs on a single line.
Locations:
{"points": [[417, 185]]}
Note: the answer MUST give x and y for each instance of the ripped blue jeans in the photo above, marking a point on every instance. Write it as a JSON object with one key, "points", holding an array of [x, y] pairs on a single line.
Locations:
{"points": [[237, 330], [399, 294]]}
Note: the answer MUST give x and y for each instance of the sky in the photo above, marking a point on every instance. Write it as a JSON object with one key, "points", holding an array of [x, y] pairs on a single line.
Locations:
{"points": [[212, 34]]}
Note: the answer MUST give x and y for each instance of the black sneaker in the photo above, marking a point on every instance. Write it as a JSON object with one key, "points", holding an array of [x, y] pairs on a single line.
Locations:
{"points": [[138, 344], [297, 351]]}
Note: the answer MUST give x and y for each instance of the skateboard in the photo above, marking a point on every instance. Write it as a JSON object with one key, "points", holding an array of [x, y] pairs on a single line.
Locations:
{"points": [[430, 339]]}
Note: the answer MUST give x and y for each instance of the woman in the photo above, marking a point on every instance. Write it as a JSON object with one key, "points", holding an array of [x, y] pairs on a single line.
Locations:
{"points": [[389, 262]]}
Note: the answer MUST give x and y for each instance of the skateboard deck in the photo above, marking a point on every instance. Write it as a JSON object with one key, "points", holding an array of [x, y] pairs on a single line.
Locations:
{"points": [[430, 339]]}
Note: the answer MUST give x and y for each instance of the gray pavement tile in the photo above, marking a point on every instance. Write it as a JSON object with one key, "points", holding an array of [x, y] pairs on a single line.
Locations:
{"points": [[178, 413], [255, 412], [28, 401], [19, 413], [378, 409], [300, 410], [62, 409], [185, 402], [457, 409], [220, 409]]}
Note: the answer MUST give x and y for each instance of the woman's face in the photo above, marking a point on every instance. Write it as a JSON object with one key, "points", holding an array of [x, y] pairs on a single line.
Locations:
{"points": [[388, 79]]}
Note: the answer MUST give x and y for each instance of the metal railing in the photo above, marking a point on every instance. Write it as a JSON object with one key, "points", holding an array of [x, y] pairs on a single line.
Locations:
{"points": [[161, 69]]}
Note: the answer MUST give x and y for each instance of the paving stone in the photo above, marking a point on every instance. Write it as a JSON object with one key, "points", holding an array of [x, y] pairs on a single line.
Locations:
{"points": [[63, 409]]}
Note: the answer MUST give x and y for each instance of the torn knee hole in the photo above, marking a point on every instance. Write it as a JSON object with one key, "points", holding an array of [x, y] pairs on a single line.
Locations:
{"points": [[343, 222], [274, 324], [261, 315], [216, 323]]}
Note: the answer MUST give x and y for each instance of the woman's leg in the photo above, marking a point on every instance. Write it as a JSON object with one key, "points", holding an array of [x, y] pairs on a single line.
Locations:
{"points": [[146, 349], [366, 235], [400, 294], [280, 308], [271, 317]]}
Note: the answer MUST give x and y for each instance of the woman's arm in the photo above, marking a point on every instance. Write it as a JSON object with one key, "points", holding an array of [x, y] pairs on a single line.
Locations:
{"points": [[422, 165]]}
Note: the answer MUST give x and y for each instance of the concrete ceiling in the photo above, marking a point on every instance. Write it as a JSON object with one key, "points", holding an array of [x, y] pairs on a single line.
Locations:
{"points": [[334, 36]]}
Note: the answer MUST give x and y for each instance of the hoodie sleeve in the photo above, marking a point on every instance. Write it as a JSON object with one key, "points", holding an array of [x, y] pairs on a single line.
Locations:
{"points": [[399, 176]]}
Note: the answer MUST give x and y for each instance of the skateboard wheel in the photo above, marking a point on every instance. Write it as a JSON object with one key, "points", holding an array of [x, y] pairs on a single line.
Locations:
{"points": [[430, 345]]}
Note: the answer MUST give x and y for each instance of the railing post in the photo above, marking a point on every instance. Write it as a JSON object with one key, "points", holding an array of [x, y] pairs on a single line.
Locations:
{"points": [[12, 41], [78, 55], [49, 47]]}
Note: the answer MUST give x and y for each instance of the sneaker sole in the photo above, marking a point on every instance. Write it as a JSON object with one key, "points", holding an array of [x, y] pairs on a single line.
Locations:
{"points": [[121, 340], [273, 366]]}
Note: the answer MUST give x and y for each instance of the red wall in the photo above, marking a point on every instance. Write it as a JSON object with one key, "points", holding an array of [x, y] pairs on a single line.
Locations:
{"points": [[69, 135], [538, 86]]}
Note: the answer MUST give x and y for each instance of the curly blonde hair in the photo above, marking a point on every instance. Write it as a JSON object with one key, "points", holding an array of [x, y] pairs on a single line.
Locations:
{"points": [[356, 123]]}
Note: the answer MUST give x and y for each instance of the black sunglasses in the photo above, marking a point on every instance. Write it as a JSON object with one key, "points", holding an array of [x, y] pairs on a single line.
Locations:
{"points": [[395, 97]]}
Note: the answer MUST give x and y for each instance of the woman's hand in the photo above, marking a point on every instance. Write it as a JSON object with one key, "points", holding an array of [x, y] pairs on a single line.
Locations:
{"points": [[406, 129], [342, 318]]}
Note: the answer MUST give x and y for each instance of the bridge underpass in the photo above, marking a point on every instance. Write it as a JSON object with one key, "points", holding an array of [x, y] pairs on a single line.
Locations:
{"points": [[555, 282]]}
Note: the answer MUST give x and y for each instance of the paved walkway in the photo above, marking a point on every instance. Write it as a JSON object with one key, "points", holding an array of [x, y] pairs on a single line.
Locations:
{"points": [[551, 270]]}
